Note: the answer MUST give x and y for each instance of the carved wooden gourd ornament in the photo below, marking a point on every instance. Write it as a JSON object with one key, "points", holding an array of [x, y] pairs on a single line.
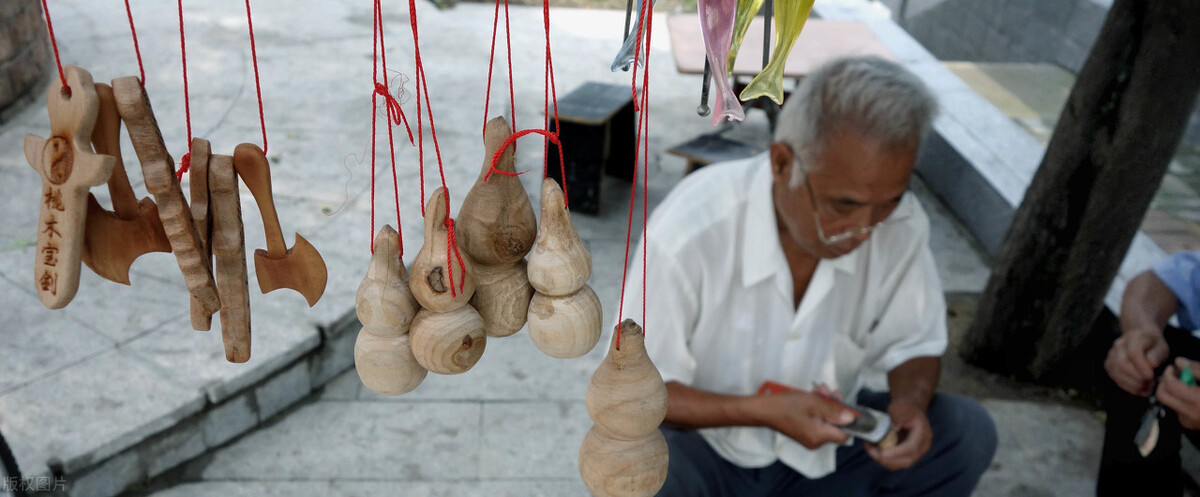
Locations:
{"points": [[431, 271], [565, 327], [559, 263], [611, 467], [502, 296], [624, 454], [626, 396], [496, 221], [383, 354], [448, 342]]}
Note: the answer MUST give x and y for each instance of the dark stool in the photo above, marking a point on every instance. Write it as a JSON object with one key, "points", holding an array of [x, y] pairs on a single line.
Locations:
{"points": [[707, 149], [598, 136]]}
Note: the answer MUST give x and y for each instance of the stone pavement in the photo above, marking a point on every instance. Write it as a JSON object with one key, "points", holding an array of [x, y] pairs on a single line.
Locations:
{"points": [[117, 389]]}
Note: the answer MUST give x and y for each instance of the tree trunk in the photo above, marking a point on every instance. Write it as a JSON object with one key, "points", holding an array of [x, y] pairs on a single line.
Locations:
{"points": [[1105, 161]]}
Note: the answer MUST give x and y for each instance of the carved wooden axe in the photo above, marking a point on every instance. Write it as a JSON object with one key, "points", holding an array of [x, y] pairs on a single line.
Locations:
{"points": [[112, 240], [301, 267]]}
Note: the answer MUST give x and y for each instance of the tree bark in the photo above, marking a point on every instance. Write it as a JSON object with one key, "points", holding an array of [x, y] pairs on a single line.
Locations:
{"points": [[1106, 159]]}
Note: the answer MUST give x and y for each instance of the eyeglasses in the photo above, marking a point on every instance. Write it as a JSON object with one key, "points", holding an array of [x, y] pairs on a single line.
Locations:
{"points": [[852, 232]]}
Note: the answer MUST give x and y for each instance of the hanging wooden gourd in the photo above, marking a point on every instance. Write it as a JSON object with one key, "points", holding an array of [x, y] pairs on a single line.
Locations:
{"points": [[447, 334], [432, 273], [497, 228], [626, 396], [385, 306], [624, 454], [564, 314]]}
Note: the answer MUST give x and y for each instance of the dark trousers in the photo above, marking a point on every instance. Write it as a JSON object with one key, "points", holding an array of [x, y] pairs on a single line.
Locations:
{"points": [[1123, 470], [964, 441]]}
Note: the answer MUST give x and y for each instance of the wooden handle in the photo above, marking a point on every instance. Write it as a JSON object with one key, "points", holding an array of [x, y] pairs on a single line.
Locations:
{"points": [[252, 167], [106, 139], [229, 247]]}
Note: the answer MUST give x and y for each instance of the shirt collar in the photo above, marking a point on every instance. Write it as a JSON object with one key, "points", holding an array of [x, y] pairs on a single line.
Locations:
{"points": [[763, 254]]}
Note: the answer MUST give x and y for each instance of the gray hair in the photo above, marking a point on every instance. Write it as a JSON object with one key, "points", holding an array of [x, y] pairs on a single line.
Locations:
{"points": [[876, 97]]}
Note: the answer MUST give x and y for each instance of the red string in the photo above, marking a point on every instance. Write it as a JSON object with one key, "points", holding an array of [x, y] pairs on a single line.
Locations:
{"points": [[643, 144], [551, 95], [491, 63], [62, 77], [512, 140], [136, 49], [262, 122], [395, 115], [186, 162]]}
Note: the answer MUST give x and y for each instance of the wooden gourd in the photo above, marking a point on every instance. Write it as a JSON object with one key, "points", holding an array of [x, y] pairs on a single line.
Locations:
{"points": [[624, 454], [559, 263], [623, 468], [496, 222], [383, 354], [68, 168], [565, 327], [228, 244], [448, 342], [626, 396], [502, 296], [431, 271]]}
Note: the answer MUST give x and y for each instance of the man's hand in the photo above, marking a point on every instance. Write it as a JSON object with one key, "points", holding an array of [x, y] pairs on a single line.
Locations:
{"points": [[1133, 357], [805, 417], [915, 437], [1182, 399]]}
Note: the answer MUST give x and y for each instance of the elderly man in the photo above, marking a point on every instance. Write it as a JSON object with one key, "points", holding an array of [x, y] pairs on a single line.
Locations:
{"points": [[808, 266]]}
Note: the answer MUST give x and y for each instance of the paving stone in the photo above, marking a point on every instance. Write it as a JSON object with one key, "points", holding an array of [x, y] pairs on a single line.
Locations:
{"points": [[110, 478], [90, 412], [184, 442], [283, 390], [361, 440], [335, 356], [532, 439], [34, 352], [1044, 450], [227, 420], [483, 488], [345, 386]]}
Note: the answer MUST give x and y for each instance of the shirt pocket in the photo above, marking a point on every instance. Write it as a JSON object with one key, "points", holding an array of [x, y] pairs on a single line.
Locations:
{"points": [[848, 357]]}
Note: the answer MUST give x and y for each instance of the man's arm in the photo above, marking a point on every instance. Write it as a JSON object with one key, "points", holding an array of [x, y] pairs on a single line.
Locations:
{"points": [[801, 416], [1145, 308], [912, 386]]}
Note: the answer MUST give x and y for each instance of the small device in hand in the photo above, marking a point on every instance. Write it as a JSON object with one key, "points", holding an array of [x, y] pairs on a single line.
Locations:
{"points": [[869, 424]]}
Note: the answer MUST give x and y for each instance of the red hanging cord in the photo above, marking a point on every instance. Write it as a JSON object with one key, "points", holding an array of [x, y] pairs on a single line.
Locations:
{"points": [[186, 162], [422, 91], [394, 115], [487, 95], [551, 95], [62, 77], [136, 49], [642, 106], [262, 122]]}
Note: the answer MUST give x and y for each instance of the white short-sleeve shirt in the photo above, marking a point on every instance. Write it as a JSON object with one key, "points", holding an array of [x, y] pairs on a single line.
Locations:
{"points": [[721, 315]]}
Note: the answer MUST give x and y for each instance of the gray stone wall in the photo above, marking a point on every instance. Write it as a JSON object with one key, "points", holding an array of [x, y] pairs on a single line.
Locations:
{"points": [[1045, 31], [25, 60]]}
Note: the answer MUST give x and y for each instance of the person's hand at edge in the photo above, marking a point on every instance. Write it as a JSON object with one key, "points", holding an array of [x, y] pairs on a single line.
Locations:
{"points": [[916, 436], [1181, 398]]}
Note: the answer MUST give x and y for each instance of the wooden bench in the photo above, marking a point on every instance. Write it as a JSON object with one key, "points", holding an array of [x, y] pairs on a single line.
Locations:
{"points": [[598, 136], [707, 149]]}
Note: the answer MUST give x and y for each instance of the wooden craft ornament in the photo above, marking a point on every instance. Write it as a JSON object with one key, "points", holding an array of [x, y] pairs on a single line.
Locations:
{"points": [[299, 268], [626, 395], [565, 327], [68, 168], [114, 239], [229, 250], [448, 342], [158, 169], [502, 295], [496, 222], [559, 263], [431, 271], [624, 454], [383, 353], [201, 151]]}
